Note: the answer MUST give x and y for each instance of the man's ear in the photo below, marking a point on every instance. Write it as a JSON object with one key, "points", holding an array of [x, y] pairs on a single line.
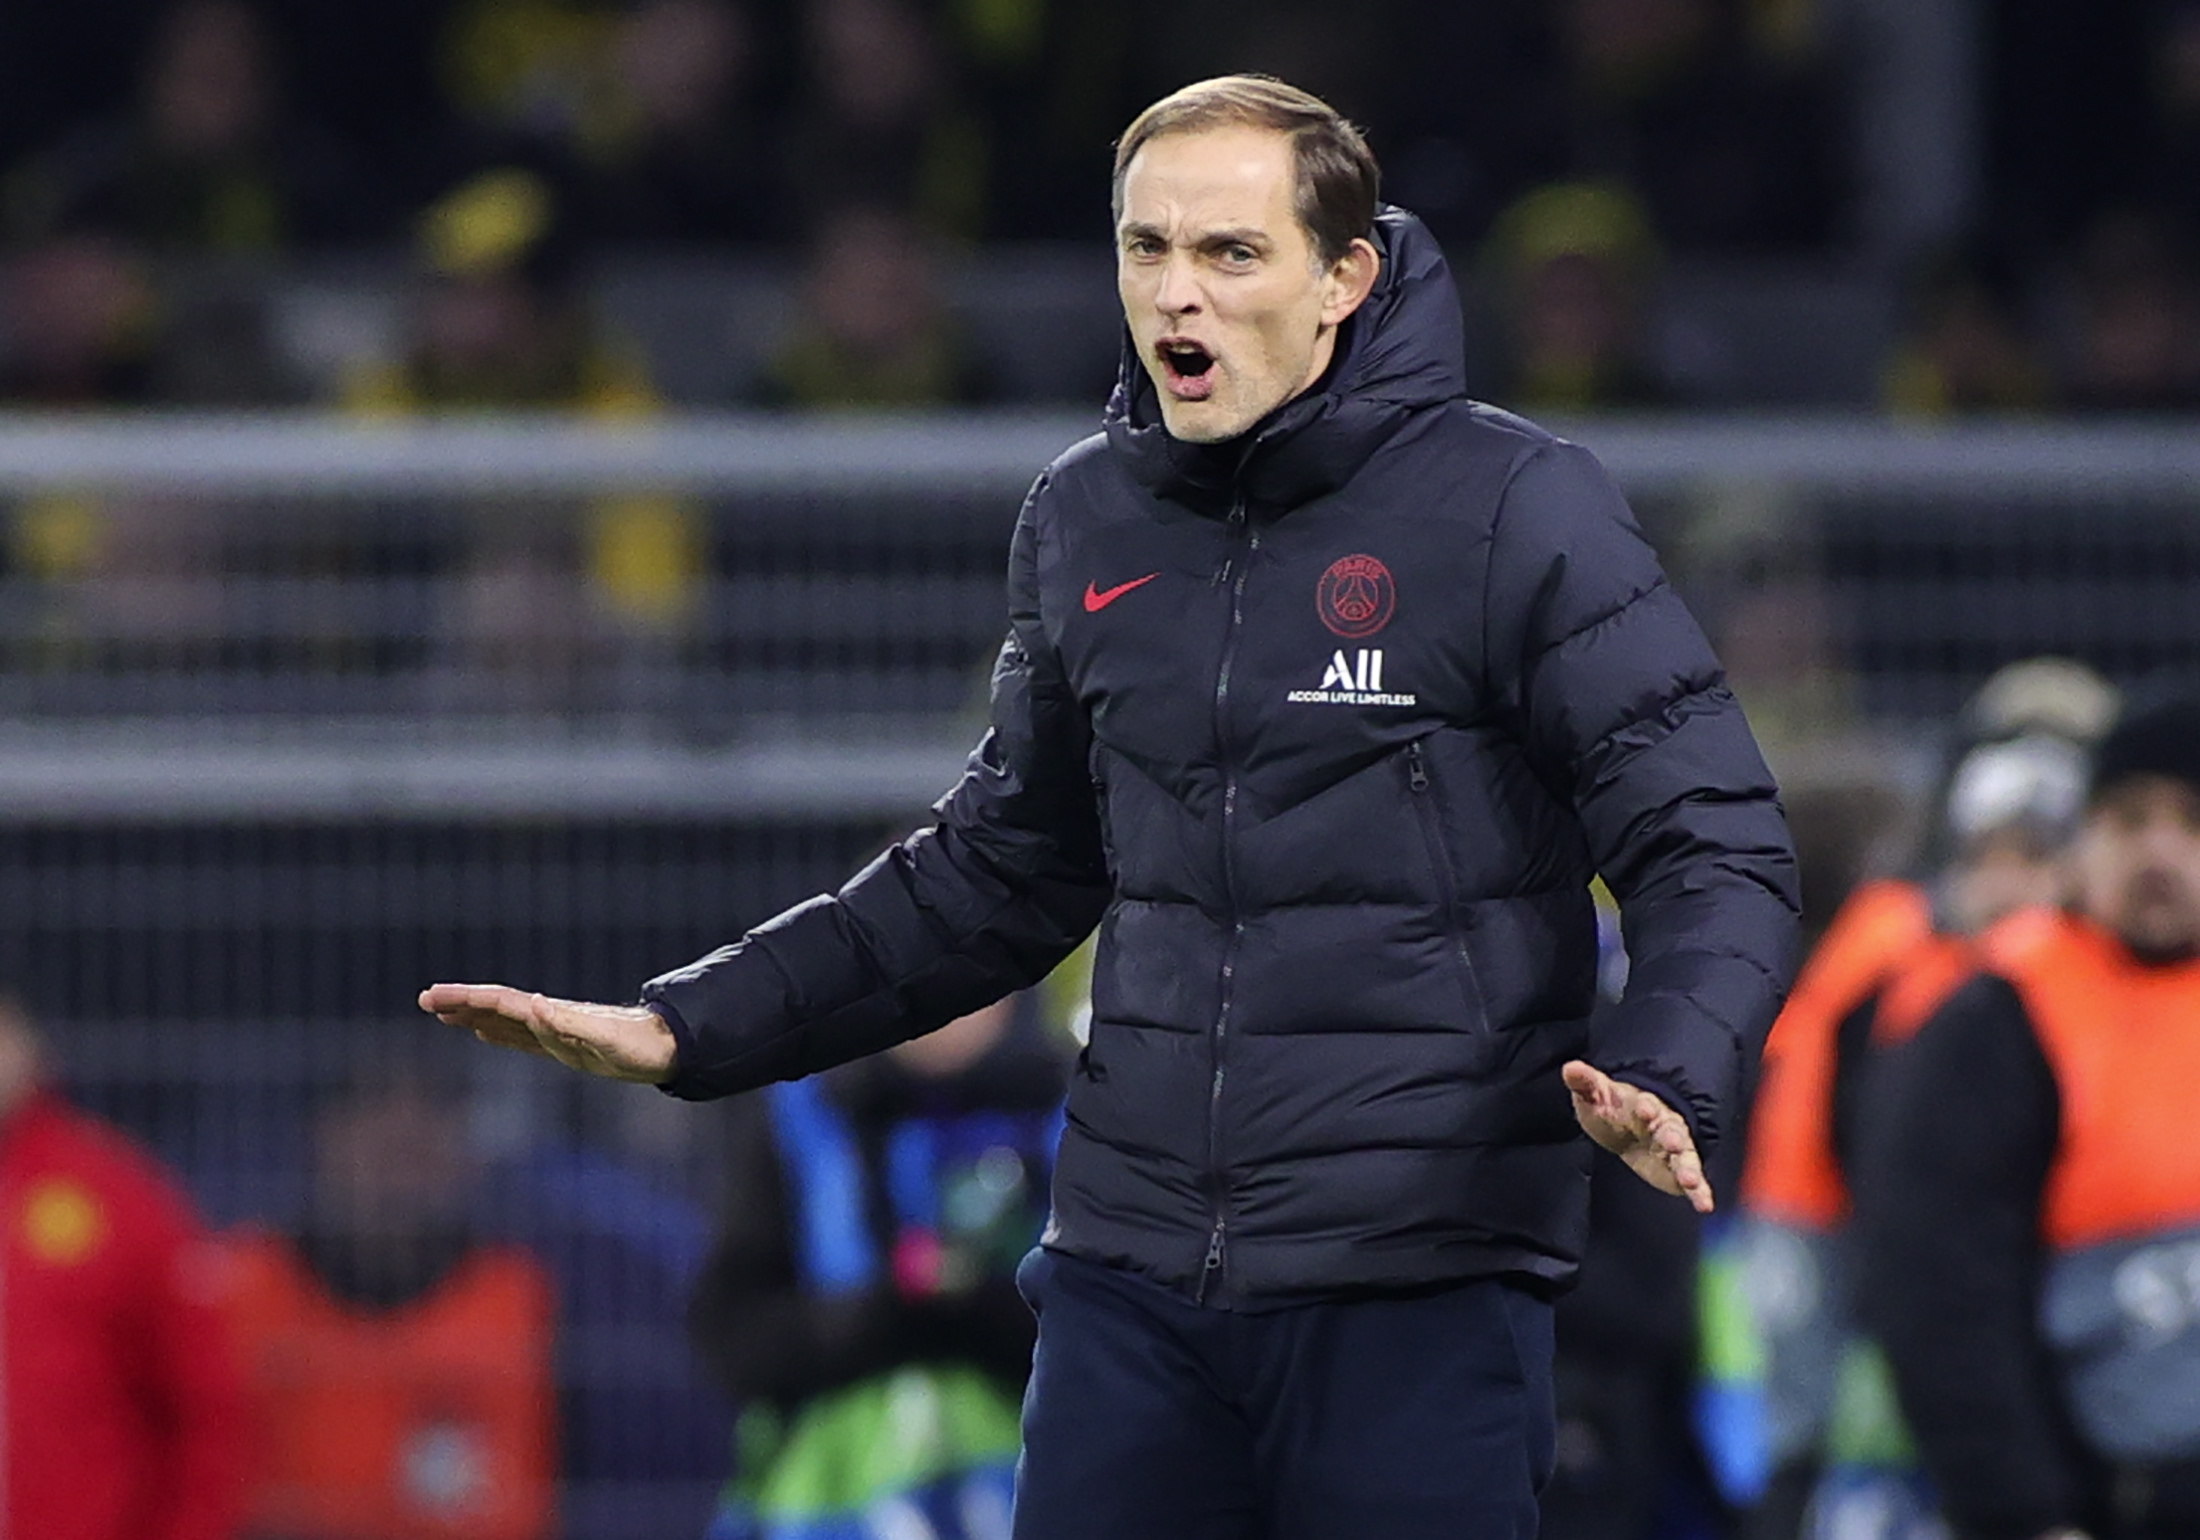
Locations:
{"points": [[1349, 281]]}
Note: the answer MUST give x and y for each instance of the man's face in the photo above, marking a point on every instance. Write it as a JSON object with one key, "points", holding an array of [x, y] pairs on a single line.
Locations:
{"points": [[391, 1165], [2001, 872], [2138, 863], [1231, 310]]}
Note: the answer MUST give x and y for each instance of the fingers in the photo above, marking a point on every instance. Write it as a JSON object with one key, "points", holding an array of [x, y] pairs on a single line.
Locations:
{"points": [[1585, 1080], [1594, 1092], [494, 1013], [1671, 1139], [622, 1042], [500, 999], [1637, 1125], [1675, 1148]]}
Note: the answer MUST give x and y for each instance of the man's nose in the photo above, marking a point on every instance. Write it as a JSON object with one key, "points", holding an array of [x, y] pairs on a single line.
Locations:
{"points": [[1177, 292]]}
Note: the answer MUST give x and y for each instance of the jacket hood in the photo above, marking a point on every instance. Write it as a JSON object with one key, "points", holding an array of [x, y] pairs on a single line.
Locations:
{"points": [[1401, 351]]}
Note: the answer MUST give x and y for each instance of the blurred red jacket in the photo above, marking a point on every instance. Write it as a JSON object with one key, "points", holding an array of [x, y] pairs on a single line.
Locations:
{"points": [[121, 1404]]}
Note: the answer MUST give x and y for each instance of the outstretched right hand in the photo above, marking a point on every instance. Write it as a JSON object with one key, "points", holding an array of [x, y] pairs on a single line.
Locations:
{"points": [[619, 1042]]}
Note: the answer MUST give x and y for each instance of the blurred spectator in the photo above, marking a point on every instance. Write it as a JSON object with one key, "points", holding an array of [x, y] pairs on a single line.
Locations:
{"points": [[603, 1189], [206, 162], [547, 592], [84, 324], [1573, 263], [1965, 348], [2137, 344], [123, 1406], [860, 1300], [1844, 825], [498, 320], [1047, 84], [879, 124], [1724, 127], [1998, 830], [872, 329], [1732, 147], [685, 155], [2029, 1210], [401, 1366], [1755, 566], [136, 581], [83, 329], [81, 320], [527, 75]]}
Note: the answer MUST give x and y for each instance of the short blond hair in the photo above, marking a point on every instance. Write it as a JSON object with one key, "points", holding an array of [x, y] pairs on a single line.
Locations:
{"points": [[1338, 180]]}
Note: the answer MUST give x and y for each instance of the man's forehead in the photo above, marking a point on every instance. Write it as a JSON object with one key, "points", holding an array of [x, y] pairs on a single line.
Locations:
{"points": [[2147, 794], [1228, 175]]}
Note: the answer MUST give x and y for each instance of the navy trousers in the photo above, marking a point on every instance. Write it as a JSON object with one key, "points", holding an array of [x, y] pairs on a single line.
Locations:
{"points": [[1420, 1417]]}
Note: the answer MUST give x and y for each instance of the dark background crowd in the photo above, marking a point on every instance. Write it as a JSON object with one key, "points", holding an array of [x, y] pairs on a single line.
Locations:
{"points": [[1932, 207]]}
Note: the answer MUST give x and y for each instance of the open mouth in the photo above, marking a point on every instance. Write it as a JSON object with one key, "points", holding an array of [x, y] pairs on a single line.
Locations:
{"points": [[1187, 369]]}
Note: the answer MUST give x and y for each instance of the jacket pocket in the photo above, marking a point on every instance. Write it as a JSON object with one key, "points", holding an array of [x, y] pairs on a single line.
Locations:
{"points": [[1427, 799]]}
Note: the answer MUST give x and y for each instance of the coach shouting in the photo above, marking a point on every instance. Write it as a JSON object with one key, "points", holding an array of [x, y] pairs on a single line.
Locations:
{"points": [[1325, 694]]}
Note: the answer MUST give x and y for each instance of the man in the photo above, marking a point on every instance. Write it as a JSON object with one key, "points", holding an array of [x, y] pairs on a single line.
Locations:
{"points": [[861, 1293], [123, 1405], [1996, 842], [1326, 692], [2029, 1188], [401, 1366]]}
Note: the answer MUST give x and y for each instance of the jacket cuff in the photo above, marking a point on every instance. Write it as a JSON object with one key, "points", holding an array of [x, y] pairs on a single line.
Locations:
{"points": [[683, 1053]]}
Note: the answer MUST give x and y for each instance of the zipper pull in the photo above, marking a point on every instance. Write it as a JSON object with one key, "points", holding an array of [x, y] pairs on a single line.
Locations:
{"points": [[1212, 1267], [1416, 771]]}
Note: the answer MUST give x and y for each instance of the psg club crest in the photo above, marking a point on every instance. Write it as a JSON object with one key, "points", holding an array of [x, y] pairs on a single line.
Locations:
{"points": [[1356, 597]]}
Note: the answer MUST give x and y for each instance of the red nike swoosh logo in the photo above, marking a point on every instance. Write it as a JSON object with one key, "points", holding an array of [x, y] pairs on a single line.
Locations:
{"points": [[1098, 599]]}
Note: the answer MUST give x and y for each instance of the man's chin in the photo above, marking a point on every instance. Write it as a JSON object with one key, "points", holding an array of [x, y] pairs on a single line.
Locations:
{"points": [[2162, 933], [1200, 422]]}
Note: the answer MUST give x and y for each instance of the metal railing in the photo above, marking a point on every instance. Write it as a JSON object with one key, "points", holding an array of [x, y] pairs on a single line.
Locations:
{"points": [[312, 614]]}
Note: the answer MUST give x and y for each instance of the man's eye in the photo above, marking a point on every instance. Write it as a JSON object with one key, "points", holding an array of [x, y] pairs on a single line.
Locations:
{"points": [[1145, 246], [1238, 254]]}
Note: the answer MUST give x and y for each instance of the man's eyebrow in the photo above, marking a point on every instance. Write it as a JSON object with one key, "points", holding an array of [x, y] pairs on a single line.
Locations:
{"points": [[1235, 235], [1239, 235]]}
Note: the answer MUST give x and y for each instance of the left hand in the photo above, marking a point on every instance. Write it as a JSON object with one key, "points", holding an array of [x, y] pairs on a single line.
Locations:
{"points": [[1641, 1130]]}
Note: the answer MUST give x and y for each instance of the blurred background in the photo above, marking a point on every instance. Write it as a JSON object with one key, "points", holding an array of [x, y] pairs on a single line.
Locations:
{"points": [[519, 488]]}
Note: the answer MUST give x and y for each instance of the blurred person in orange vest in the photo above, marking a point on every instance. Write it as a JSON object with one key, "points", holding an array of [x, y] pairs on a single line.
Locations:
{"points": [[122, 1403], [2029, 1225], [401, 1367], [2000, 824]]}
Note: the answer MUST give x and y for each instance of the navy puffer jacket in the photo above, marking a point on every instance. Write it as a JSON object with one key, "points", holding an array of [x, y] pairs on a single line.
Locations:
{"points": [[1328, 729]]}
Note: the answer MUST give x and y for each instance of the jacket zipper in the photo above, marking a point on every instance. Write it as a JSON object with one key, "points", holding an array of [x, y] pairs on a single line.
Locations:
{"points": [[1218, 1187], [1423, 788]]}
